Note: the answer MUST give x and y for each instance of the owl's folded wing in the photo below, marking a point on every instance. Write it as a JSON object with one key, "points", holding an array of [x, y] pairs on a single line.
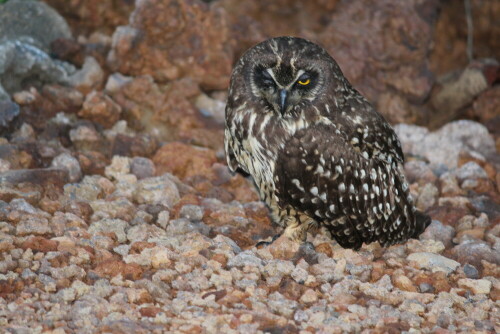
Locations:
{"points": [[356, 199]]}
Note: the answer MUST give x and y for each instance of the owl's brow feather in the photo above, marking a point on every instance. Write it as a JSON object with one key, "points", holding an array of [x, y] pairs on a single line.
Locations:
{"points": [[297, 76]]}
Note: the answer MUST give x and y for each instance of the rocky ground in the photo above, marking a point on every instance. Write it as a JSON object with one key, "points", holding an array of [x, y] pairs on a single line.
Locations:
{"points": [[119, 215]]}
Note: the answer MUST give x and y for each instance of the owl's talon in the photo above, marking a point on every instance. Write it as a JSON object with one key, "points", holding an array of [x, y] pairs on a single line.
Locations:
{"points": [[261, 244]]}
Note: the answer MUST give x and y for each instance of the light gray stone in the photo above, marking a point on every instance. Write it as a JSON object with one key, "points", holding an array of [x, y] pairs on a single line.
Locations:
{"points": [[142, 167], [443, 147], [433, 262], [68, 162], [438, 231], [107, 225], [470, 170], [192, 212], [157, 190], [32, 21], [246, 258]]}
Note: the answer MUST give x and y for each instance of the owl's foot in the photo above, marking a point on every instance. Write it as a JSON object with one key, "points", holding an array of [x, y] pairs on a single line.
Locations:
{"points": [[261, 244]]}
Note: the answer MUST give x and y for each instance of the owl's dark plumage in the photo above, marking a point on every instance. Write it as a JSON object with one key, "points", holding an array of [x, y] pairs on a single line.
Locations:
{"points": [[318, 152]]}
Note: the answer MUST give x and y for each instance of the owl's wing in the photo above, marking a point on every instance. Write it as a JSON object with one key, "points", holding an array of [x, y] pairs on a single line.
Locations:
{"points": [[381, 141], [356, 199], [369, 133]]}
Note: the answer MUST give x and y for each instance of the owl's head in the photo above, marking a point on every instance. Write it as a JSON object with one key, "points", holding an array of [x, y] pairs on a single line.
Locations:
{"points": [[284, 73]]}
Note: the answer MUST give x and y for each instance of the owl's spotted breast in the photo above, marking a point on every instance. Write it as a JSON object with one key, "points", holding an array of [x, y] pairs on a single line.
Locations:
{"points": [[318, 152]]}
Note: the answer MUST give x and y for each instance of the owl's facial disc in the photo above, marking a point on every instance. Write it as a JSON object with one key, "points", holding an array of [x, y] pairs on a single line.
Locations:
{"points": [[283, 92]]}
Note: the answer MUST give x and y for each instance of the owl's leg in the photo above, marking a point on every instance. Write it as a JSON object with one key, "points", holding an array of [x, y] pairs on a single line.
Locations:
{"points": [[295, 224], [283, 219], [295, 230]]}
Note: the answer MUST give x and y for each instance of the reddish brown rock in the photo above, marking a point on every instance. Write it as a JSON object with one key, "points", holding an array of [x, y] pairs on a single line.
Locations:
{"points": [[87, 16], [283, 248], [40, 244], [10, 286], [139, 246], [220, 183], [325, 248], [437, 280], [150, 311], [384, 52], [449, 52], [142, 145], [404, 283], [167, 111], [139, 296], [61, 260], [242, 190], [80, 209], [50, 205], [37, 107], [111, 268], [476, 233], [100, 108], [169, 39], [92, 162], [253, 21], [292, 290], [490, 269], [448, 215], [184, 161], [221, 258], [487, 105], [379, 270], [495, 294]]}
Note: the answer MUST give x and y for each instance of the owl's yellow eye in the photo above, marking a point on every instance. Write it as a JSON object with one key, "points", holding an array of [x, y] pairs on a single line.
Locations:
{"points": [[304, 82]]}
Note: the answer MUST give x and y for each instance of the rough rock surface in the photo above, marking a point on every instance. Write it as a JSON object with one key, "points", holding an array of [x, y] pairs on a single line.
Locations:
{"points": [[389, 69], [449, 52], [169, 39], [86, 17]]}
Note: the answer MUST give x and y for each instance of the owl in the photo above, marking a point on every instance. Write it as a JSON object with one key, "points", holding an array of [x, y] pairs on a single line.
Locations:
{"points": [[320, 155]]}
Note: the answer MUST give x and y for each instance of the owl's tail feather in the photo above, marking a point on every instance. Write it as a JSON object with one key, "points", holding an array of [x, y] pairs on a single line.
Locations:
{"points": [[423, 221]]}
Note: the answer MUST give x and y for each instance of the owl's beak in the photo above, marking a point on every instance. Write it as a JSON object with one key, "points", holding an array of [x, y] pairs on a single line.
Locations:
{"points": [[283, 105]]}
